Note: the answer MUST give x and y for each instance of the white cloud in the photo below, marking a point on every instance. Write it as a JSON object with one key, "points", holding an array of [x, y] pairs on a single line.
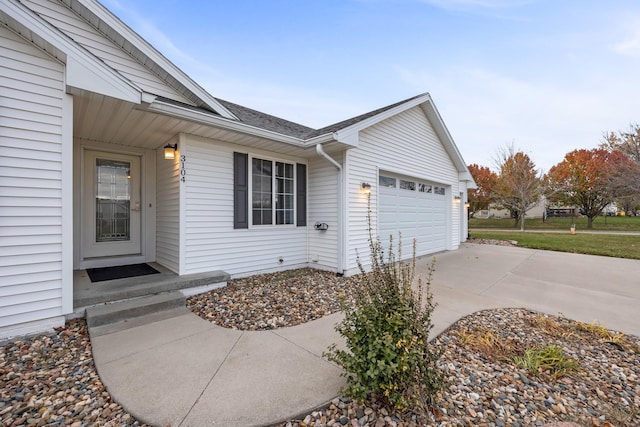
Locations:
{"points": [[630, 46]]}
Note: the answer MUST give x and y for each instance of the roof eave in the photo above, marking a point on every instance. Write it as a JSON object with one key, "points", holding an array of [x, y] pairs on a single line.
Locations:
{"points": [[208, 119], [83, 70], [349, 134], [449, 144], [155, 56]]}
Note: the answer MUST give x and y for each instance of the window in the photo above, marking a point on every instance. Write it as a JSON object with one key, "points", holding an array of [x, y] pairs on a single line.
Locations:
{"points": [[275, 186], [439, 190], [261, 193], [407, 185], [264, 178], [424, 188], [386, 181], [284, 193]]}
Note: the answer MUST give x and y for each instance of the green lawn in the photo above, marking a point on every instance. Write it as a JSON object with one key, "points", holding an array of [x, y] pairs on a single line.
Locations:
{"points": [[618, 246], [608, 223]]}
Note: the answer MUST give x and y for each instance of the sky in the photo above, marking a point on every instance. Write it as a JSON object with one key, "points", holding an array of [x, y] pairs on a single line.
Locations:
{"points": [[546, 76]]}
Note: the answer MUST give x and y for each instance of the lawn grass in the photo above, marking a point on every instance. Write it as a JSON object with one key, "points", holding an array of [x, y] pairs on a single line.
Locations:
{"points": [[605, 223], [619, 246]]}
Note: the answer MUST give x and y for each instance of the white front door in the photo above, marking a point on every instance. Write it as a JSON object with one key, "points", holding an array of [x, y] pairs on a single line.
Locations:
{"points": [[111, 205]]}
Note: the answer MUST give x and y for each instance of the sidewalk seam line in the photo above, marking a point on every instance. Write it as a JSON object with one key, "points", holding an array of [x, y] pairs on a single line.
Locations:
{"points": [[152, 347], [508, 273], [302, 348], [211, 379]]}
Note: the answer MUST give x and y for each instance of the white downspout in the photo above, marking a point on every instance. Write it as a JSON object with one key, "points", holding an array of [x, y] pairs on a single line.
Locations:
{"points": [[340, 220]]}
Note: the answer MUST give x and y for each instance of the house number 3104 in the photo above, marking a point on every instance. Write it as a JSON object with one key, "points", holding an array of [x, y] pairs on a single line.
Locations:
{"points": [[183, 171]]}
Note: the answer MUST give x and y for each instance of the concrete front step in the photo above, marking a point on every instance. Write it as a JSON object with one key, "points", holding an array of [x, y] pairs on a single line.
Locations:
{"points": [[87, 294], [101, 315]]}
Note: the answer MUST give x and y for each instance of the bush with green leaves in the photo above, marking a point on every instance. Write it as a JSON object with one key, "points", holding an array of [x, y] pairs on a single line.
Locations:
{"points": [[388, 354]]}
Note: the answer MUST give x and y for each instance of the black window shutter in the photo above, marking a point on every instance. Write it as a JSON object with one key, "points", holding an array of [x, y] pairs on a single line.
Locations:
{"points": [[301, 195], [240, 190]]}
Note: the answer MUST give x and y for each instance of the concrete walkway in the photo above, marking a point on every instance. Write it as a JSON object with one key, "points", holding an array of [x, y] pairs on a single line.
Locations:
{"points": [[179, 370]]}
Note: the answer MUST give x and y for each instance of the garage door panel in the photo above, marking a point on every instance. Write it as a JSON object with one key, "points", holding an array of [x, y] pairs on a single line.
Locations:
{"points": [[417, 215]]}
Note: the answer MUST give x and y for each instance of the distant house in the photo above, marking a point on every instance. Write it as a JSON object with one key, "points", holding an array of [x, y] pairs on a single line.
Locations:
{"points": [[88, 109], [542, 209]]}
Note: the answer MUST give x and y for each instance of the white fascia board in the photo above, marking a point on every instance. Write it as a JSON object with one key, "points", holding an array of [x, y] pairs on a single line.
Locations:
{"points": [[154, 55], [330, 137], [209, 119], [83, 70], [83, 75], [449, 144], [468, 178], [349, 135]]}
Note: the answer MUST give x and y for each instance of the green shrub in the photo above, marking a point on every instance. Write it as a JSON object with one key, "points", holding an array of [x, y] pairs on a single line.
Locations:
{"points": [[387, 334]]}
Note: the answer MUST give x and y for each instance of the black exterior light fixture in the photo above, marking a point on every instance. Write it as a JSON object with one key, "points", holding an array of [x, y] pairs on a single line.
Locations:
{"points": [[170, 151], [366, 187]]}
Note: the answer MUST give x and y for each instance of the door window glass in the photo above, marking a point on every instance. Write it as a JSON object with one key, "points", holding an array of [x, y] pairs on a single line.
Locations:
{"points": [[113, 200]]}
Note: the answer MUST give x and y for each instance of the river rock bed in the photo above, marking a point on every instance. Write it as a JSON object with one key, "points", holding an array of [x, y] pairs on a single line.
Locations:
{"points": [[51, 380], [274, 300], [484, 387], [498, 242]]}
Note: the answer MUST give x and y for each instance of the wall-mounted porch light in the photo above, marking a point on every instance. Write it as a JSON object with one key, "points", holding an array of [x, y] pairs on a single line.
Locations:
{"points": [[366, 187], [457, 199], [467, 205], [170, 151]]}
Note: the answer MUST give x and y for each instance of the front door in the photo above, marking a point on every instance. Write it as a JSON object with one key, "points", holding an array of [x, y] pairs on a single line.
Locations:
{"points": [[111, 207]]}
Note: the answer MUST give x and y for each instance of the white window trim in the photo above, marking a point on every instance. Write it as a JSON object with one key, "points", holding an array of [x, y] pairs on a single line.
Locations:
{"points": [[273, 192]]}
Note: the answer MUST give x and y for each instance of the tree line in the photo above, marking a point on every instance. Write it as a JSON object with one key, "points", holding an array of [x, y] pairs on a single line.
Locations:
{"points": [[588, 179]]}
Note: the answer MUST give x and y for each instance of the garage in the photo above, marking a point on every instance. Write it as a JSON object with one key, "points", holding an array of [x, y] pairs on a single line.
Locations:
{"points": [[417, 209]]}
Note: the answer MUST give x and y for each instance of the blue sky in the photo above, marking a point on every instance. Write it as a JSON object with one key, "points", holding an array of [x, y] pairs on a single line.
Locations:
{"points": [[548, 76]]}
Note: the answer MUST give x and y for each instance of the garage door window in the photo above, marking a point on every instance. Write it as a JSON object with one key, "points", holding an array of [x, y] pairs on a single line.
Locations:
{"points": [[386, 181], [439, 191], [424, 188], [407, 185]]}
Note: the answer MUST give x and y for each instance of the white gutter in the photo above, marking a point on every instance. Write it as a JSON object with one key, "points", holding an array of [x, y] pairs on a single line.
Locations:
{"points": [[208, 119], [340, 245]]}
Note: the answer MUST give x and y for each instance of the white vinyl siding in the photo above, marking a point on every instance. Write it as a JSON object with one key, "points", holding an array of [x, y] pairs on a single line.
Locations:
{"points": [[210, 241], [405, 144], [100, 46], [322, 199], [168, 211], [31, 178]]}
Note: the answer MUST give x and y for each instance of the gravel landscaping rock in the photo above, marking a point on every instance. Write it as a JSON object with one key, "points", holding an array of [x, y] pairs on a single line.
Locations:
{"points": [[485, 388], [493, 242], [269, 301], [51, 379]]}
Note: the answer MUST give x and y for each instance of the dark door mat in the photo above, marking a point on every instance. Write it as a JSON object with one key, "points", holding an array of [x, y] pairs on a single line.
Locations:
{"points": [[120, 272]]}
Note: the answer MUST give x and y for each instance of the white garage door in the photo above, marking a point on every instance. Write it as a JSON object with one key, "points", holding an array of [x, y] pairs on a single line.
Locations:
{"points": [[415, 208]]}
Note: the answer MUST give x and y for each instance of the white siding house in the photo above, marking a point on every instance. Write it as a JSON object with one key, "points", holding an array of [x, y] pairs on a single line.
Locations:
{"points": [[35, 115], [87, 109]]}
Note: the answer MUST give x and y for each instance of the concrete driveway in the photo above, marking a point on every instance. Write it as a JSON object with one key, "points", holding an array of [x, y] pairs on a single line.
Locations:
{"points": [[581, 287], [176, 369]]}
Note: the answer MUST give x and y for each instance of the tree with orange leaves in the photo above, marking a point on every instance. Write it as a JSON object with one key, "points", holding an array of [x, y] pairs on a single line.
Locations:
{"points": [[481, 197], [588, 179], [518, 187]]}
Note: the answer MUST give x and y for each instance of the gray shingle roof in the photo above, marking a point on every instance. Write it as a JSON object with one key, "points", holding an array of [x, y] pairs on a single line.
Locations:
{"points": [[265, 121], [285, 127], [352, 121]]}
